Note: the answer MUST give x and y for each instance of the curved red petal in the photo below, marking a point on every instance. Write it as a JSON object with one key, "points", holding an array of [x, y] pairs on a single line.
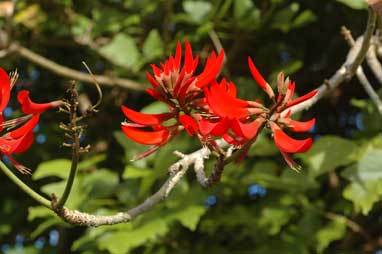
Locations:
{"points": [[7, 146], [223, 104], [302, 98], [145, 119], [211, 70], [290, 145], [25, 144], [188, 59], [151, 79], [245, 130], [215, 129], [178, 55], [25, 128], [189, 124], [30, 107], [259, 79], [291, 163], [5, 89], [298, 126], [146, 137]]}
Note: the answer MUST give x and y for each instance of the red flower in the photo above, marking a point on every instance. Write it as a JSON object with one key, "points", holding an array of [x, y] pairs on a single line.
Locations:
{"points": [[19, 140], [180, 88], [285, 143], [175, 82]]}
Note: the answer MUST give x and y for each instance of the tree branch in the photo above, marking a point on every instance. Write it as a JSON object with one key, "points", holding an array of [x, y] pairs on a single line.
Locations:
{"points": [[70, 73], [347, 70], [176, 171]]}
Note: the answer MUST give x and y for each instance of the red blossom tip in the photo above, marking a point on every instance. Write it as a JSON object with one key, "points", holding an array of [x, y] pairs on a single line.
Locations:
{"points": [[145, 119], [288, 144], [259, 79], [302, 98], [155, 137], [30, 107]]}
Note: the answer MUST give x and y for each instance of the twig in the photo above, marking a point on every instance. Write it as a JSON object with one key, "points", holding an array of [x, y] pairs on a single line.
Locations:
{"points": [[360, 73], [351, 224], [74, 133], [343, 72], [177, 171], [37, 197], [70, 73], [217, 43], [370, 27]]}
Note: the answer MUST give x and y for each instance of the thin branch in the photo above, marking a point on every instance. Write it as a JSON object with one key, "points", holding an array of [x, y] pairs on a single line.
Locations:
{"points": [[370, 27], [177, 171], [71, 73], [74, 133], [356, 53], [37, 197], [361, 75]]}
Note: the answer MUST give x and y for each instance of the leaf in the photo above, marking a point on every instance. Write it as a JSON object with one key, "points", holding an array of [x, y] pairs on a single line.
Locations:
{"points": [[189, 216], [355, 4], [39, 212], [366, 181], [304, 18], [134, 172], [121, 51], [335, 230], [59, 168], [328, 153], [153, 45], [123, 241], [197, 10]]}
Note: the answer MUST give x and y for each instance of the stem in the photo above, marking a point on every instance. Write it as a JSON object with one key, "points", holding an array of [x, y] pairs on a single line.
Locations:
{"points": [[73, 128], [37, 197]]}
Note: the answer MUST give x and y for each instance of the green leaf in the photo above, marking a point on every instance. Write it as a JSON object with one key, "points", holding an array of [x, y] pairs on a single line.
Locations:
{"points": [[121, 51], [241, 8], [189, 216], [304, 18], [335, 230], [197, 10], [328, 153], [153, 45], [59, 168], [134, 172], [366, 181], [355, 4], [123, 241], [39, 212]]}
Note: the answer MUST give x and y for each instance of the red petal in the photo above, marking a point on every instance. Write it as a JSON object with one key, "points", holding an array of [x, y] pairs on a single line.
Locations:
{"points": [[154, 94], [211, 70], [29, 107], [151, 79], [157, 71], [298, 126], [178, 55], [288, 144], [145, 119], [223, 104], [26, 142], [291, 163], [188, 60], [246, 130], [259, 79], [302, 98], [189, 124], [5, 89], [146, 153], [216, 129], [25, 128], [146, 137]]}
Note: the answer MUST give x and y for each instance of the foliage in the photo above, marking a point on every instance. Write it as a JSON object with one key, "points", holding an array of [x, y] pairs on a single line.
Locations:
{"points": [[341, 173]]}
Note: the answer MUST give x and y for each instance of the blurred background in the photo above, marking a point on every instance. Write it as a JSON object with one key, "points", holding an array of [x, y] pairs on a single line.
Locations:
{"points": [[260, 206]]}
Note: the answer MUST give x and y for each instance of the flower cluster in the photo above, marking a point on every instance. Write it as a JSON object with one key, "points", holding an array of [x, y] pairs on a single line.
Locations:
{"points": [[203, 106], [20, 137]]}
